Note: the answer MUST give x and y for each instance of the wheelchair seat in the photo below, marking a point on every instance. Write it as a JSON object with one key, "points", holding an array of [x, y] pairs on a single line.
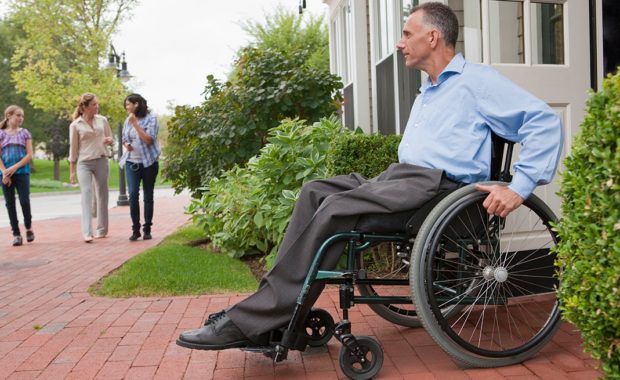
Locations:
{"points": [[406, 222]]}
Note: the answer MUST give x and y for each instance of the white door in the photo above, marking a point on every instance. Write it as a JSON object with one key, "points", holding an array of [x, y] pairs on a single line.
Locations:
{"points": [[542, 45]]}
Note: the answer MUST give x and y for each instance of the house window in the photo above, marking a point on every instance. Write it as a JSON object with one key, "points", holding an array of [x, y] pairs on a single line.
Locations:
{"points": [[342, 45], [507, 43], [547, 28], [385, 31], [347, 32], [470, 28]]}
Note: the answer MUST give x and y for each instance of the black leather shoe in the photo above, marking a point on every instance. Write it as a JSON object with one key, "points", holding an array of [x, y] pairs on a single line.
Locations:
{"points": [[147, 236], [219, 334], [17, 240], [213, 317], [135, 236], [29, 236]]}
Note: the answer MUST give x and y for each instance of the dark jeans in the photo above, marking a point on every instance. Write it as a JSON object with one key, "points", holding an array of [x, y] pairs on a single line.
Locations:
{"points": [[21, 183], [137, 173]]}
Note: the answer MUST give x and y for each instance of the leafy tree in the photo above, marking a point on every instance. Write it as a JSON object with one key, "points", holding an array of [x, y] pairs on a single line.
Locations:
{"points": [[57, 143], [268, 84], [58, 58], [285, 32], [36, 120]]}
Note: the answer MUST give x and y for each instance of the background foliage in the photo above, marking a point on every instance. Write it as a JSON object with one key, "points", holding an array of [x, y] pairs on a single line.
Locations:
{"points": [[589, 248], [274, 78], [368, 155], [247, 209], [59, 50], [36, 120]]}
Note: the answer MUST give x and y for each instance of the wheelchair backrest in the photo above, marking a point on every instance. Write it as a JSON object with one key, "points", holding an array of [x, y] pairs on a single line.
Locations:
{"points": [[499, 146]]}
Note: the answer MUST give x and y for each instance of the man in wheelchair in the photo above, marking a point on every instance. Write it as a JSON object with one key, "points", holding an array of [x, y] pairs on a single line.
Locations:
{"points": [[447, 143]]}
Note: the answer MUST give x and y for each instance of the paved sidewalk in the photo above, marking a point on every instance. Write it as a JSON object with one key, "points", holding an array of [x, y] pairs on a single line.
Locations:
{"points": [[51, 328]]}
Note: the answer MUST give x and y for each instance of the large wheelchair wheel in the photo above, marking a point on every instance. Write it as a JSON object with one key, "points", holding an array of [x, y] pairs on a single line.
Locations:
{"points": [[484, 286], [400, 314]]}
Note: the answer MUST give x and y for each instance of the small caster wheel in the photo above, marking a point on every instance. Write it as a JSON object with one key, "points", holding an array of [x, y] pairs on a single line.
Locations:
{"points": [[365, 365], [319, 327]]}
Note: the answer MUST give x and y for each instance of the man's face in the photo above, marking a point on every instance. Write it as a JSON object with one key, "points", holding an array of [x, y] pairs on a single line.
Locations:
{"points": [[415, 41]]}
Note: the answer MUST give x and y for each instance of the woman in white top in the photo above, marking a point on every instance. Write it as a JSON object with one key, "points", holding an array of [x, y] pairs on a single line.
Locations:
{"points": [[89, 133]]}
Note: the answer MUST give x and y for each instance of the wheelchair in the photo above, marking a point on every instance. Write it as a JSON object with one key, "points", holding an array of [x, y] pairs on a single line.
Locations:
{"points": [[484, 287]]}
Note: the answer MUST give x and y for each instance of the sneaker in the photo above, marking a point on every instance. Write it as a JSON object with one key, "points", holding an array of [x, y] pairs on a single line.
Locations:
{"points": [[17, 241], [134, 236], [100, 236], [29, 236], [147, 236], [88, 239]]}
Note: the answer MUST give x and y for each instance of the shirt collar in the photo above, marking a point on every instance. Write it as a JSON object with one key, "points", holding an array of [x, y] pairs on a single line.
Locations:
{"points": [[455, 66], [81, 119]]}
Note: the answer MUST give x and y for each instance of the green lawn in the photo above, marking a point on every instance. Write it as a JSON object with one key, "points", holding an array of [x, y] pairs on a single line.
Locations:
{"points": [[42, 177], [175, 268]]}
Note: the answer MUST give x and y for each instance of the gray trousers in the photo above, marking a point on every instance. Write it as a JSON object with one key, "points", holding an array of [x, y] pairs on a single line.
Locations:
{"points": [[324, 208], [94, 172]]}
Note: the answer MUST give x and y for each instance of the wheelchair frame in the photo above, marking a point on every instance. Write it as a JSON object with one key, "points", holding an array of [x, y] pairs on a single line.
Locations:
{"points": [[362, 357]]}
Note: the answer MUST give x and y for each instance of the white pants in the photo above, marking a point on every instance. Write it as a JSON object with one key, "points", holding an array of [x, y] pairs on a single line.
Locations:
{"points": [[98, 170]]}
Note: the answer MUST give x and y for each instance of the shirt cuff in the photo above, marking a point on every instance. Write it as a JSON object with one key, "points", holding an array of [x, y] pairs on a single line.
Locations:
{"points": [[522, 185]]}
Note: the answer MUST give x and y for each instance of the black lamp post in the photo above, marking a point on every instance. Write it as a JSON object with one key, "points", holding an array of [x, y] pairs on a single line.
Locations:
{"points": [[120, 65]]}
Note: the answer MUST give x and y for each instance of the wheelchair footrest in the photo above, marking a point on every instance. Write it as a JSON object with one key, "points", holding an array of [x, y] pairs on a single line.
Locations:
{"points": [[277, 352]]}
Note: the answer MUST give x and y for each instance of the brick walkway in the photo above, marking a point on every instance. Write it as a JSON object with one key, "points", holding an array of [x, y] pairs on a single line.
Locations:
{"points": [[51, 328]]}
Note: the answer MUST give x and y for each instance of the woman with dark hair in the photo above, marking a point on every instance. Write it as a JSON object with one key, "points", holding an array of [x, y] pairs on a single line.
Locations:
{"points": [[140, 161], [89, 133], [15, 155]]}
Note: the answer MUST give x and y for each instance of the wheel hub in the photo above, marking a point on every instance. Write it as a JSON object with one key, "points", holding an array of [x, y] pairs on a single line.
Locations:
{"points": [[499, 274]]}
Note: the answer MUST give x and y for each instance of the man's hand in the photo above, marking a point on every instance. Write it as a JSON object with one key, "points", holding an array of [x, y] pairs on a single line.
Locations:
{"points": [[501, 200]]}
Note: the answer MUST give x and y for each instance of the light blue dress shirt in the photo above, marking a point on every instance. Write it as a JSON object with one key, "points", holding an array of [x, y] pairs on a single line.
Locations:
{"points": [[451, 122], [149, 152]]}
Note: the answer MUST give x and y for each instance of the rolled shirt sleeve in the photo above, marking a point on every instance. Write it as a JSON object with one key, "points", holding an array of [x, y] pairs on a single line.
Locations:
{"points": [[518, 116], [74, 143]]}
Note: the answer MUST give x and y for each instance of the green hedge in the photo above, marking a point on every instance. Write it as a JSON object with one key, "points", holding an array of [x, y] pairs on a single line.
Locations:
{"points": [[589, 248], [247, 209], [368, 155]]}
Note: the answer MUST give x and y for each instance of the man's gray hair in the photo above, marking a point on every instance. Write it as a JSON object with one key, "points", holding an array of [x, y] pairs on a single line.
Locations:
{"points": [[441, 17]]}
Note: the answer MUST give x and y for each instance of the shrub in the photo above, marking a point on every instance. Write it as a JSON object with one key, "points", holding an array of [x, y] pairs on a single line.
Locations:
{"points": [[589, 248], [247, 210], [368, 155]]}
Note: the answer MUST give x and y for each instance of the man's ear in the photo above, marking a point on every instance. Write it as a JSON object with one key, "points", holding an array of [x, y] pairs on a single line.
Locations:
{"points": [[433, 38]]}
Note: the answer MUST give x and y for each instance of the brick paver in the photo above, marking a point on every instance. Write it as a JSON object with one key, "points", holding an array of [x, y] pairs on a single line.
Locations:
{"points": [[51, 328]]}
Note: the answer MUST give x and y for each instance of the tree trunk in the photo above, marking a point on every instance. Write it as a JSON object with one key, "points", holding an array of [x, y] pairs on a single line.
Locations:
{"points": [[56, 168]]}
